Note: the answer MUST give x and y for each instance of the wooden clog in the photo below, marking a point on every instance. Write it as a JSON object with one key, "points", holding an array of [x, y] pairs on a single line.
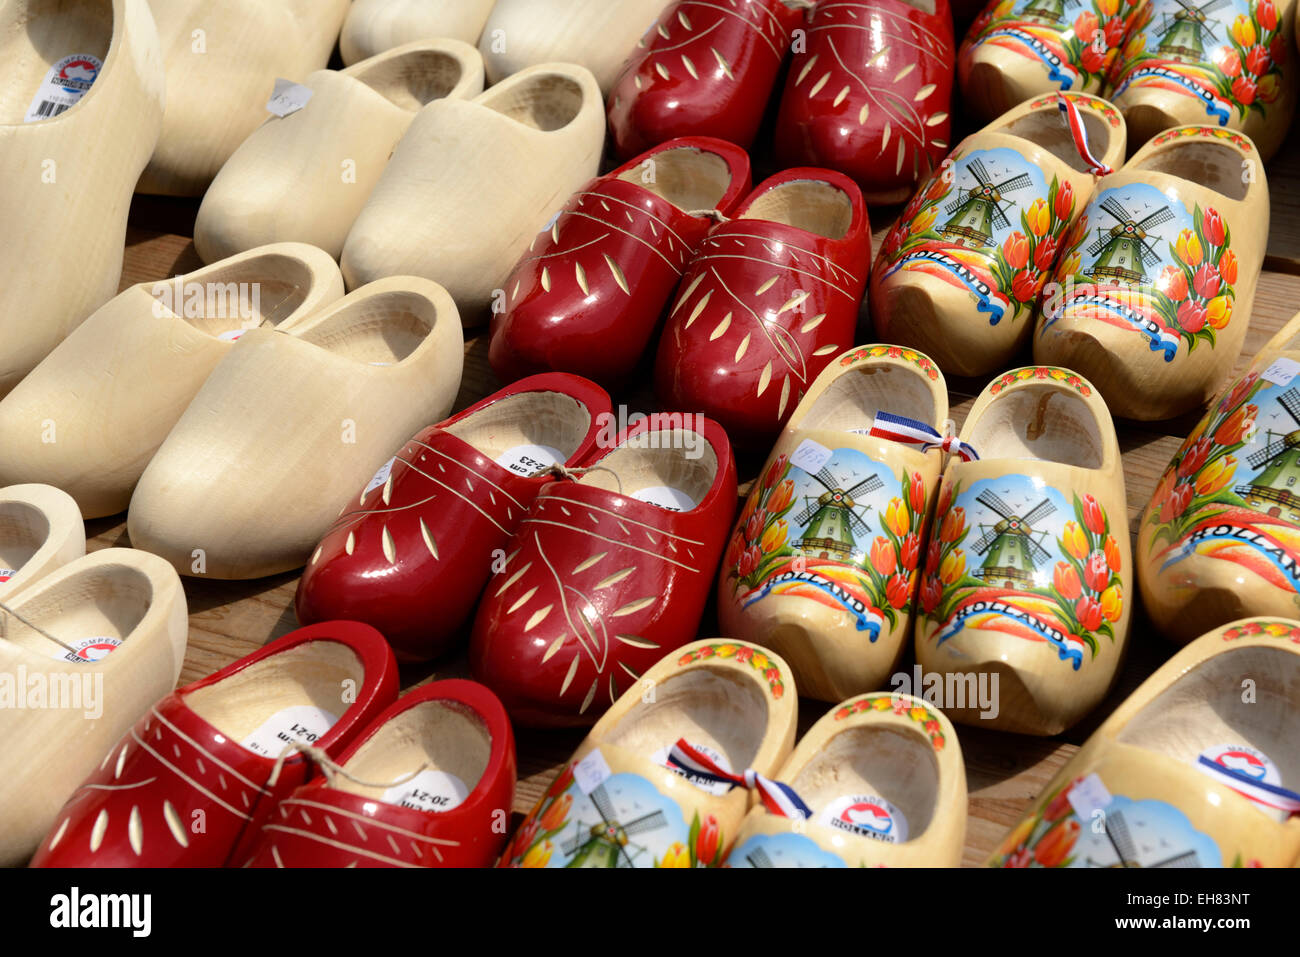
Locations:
{"points": [[305, 177], [83, 651], [596, 34], [1028, 583], [1190, 771], [591, 290], [1155, 284], [40, 532], [703, 70], [959, 275], [1229, 63], [191, 783], [823, 564], [411, 555], [90, 417], [884, 778], [1220, 538], [769, 299], [290, 424], [71, 159], [473, 181], [375, 26], [619, 804], [222, 64], [608, 573], [428, 784], [870, 94], [1017, 49]]}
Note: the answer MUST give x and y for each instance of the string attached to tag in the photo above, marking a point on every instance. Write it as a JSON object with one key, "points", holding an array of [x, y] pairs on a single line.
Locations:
{"points": [[898, 428], [331, 768], [561, 471], [778, 798], [1079, 133]]}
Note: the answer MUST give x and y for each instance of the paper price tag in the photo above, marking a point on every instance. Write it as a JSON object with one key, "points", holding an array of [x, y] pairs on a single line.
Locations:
{"points": [[811, 456], [591, 772], [381, 476], [288, 98], [66, 83], [1281, 372], [1089, 795]]}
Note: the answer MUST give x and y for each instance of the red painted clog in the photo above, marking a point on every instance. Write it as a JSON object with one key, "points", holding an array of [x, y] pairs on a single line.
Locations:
{"points": [[702, 69], [608, 573], [192, 782], [413, 555], [770, 299], [428, 784], [871, 94], [590, 292]]}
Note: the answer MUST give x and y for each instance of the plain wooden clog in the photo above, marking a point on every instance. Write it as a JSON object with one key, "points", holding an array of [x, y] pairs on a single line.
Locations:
{"points": [[90, 417], [959, 275], [1154, 287], [67, 178], [1028, 577], [619, 804], [290, 424], [119, 617], [40, 531], [884, 778], [824, 562], [1192, 770], [374, 26], [305, 177]]}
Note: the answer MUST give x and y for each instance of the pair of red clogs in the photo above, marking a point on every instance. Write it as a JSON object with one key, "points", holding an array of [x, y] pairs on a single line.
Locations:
{"points": [[300, 755], [593, 541]]}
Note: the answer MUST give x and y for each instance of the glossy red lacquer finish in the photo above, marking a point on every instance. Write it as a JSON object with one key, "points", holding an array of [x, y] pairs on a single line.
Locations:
{"points": [[763, 308], [589, 294], [411, 558], [871, 94], [598, 587], [322, 826], [704, 68], [177, 792]]}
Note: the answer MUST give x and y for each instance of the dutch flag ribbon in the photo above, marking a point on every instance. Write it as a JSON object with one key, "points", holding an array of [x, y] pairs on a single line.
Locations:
{"points": [[1079, 132], [778, 798], [1270, 795], [898, 428]]}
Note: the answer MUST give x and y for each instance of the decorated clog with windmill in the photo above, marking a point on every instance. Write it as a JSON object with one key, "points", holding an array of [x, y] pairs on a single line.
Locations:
{"points": [[823, 565], [632, 796], [1229, 63], [1189, 771], [1154, 288], [960, 274], [1028, 581]]}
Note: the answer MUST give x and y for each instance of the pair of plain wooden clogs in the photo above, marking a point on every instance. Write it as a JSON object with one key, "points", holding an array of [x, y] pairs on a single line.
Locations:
{"points": [[299, 755], [1164, 63], [665, 778], [1017, 584]]}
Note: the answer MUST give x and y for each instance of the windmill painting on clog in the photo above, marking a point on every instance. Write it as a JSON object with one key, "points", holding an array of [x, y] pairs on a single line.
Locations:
{"points": [[1222, 62]]}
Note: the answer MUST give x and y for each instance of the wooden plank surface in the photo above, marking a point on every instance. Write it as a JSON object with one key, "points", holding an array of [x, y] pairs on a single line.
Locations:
{"points": [[1005, 772]]}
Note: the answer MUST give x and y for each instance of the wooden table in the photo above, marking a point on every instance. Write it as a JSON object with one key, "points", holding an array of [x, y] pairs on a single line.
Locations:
{"points": [[1004, 772]]}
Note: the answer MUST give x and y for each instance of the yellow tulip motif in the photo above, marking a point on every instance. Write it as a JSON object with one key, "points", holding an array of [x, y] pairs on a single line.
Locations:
{"points": [[924, 220], [1243, 30], [1076, 542], [1112, 603], [1108, 7], [896, 518], [1039, 217], [953, 567], [539, 855], [775, 536], [676, 856], [1216, 476], [1070, 265], [1189, 249], [1218, 311]]}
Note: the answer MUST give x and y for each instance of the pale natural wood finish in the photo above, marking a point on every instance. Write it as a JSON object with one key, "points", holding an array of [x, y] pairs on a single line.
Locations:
{"points": [[553, 419], [1136, 381], [597, 34], [373, 26], [657, 458], [49, 751], [222, 63], [291, 424], [67, 181], [90, 417], [306, 176], [40, 531]]}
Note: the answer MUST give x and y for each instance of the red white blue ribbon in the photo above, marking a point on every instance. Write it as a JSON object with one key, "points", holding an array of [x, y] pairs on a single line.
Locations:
{"points": [[778, 798], [898, 428], [1079, 132], [1270, 795]]}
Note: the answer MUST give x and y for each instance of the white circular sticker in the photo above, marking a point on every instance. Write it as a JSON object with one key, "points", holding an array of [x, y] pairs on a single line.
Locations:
{"points": [[429, 791], [672, 499], [866, 815], [231, 335], [86, 650], [530, 459], [6, 574], [1245, 760]]}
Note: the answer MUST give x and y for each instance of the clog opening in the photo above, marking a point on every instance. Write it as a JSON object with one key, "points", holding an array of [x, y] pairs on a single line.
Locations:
{"points": [[103, 601], [1044, 128], [1211, 165], [37, 35], [413, 79], [689, 178], [249, 294], [810, 205], [553, 421], [23, 530], [1039, 422], [711, 708], [670, 467], [874, 762], [379, 330], [272, 694], [430, 756], [544, 101], [853, 399]]}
